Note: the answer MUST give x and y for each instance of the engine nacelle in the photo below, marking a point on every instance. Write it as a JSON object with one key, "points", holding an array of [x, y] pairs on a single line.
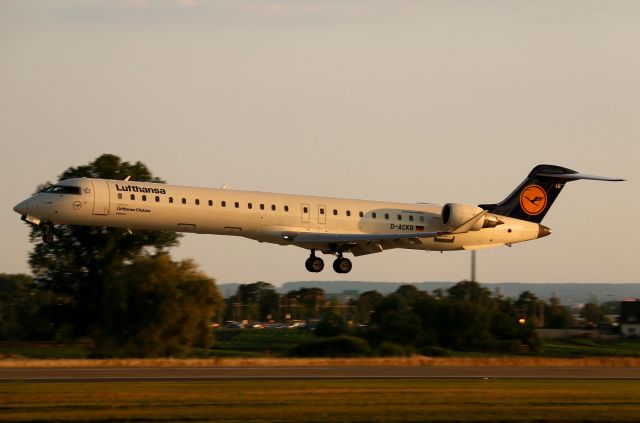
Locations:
{"points": [[454, 215]]}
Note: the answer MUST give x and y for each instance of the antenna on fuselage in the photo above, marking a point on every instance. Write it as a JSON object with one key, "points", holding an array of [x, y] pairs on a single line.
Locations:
{"points": [[224, 186], [127, 178]]}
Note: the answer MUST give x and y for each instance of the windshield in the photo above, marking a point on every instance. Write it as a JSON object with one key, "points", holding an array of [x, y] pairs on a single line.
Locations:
{"points": [[62, 189]]}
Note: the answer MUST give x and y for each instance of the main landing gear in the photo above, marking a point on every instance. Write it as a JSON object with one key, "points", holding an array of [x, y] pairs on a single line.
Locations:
{"points": [[47, 234], [316, 264]]}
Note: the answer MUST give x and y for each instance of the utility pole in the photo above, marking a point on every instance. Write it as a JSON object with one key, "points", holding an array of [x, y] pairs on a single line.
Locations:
{"points": [[473, 266]]}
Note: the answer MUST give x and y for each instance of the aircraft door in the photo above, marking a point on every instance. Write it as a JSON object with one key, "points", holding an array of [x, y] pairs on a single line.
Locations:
{"points": [[100, 197], [322, 215], [305, 213]]}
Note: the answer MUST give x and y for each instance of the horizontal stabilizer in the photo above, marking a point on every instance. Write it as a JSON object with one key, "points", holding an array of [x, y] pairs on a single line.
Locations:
{"points": [[577, 176]]}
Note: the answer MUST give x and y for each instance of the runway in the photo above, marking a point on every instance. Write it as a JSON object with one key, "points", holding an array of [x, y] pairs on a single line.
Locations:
{"points": [[101, 374]]}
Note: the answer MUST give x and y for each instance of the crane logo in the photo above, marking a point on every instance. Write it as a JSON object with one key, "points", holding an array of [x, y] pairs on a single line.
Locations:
{"points": [[533, 200]]}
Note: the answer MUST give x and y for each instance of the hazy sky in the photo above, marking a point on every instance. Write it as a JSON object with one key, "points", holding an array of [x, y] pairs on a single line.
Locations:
{"points": [[425, 101]]}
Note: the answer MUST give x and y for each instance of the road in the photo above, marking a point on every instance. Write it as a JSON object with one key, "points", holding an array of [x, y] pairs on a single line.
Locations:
{"points": [[100, 374]]}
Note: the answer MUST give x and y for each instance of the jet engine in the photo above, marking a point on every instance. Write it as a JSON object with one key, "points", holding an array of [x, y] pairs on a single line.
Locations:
{"points": [[453, 215]]}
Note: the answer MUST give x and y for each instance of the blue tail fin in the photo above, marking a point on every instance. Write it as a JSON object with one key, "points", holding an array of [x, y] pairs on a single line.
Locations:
{"points": [[534, 197]]}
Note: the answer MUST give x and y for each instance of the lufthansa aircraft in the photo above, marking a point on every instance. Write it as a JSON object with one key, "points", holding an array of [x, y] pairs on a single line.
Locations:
{"points": [[329, 225]]}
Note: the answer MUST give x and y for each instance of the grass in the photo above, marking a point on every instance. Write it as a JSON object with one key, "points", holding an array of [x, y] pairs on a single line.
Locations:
{"points": [[257, 343], [323, 401], [526, 361], [587, 347]]}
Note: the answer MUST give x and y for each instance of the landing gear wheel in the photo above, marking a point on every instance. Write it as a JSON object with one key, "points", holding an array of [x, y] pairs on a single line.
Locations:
{"points": [[314, 264], [342, 265], [47, 236]]}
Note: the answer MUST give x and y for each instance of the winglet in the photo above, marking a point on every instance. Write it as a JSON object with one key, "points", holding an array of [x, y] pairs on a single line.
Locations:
{"points": [[466, 226]]}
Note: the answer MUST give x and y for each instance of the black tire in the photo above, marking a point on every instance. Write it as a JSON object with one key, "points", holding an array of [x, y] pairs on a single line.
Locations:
{"points": [[47, 238], [314, 264], [342, 265]]}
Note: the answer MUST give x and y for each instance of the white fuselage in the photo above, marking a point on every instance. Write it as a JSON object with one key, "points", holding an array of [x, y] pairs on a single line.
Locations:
{"points": [[261, 216]]}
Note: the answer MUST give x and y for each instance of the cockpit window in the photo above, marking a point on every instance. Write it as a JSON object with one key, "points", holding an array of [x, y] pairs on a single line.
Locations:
{"points": [[62, 189]]}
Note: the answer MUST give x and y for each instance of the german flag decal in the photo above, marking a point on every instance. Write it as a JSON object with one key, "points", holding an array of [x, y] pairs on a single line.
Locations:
{"points": [[533, 200]]}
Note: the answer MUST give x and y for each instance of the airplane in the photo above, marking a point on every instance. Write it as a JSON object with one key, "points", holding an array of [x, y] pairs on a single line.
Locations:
{"points": [[329, 225]]}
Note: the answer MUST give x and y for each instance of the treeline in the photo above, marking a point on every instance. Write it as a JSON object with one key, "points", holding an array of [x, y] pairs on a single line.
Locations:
{"points": [[466, 316]]}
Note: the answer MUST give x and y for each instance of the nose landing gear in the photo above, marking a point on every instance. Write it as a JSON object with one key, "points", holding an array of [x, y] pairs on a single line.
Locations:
{"points": [[47, 235]]}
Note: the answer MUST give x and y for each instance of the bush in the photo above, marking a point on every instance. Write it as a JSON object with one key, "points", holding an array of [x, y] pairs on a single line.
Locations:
{"points": [[389, 349], [331, 325], [339, 346]]}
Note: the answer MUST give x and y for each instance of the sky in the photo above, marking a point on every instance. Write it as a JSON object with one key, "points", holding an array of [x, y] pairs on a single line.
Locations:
{"points": [[413, 101]]}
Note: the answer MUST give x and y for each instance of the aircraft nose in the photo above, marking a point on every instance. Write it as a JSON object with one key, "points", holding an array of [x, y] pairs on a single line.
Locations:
{"points": [[22, 207], [543, 231]]}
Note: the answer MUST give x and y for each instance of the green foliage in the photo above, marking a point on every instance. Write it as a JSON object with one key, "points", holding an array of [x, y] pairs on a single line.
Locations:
{"points": [[331, 325], [365, 304], [305, 303], [394, 321], [257, 301], [470, 291], [157, 307], [23, 309], [389, 349], [80, 267], [340, 346]]}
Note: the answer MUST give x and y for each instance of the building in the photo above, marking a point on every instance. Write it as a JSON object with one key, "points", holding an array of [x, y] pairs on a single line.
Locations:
{"points": [[630, 318]]}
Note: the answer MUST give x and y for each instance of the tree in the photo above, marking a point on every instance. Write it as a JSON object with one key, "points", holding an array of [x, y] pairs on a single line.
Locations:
{"points": [[80, 267], [157, 307], [470, 291], [22, 308], [258, 301], [394, 321], [305, 303], [366, 303], [592, 315]]}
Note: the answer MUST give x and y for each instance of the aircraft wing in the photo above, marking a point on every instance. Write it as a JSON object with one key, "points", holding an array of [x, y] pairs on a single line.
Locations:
{"points": [[369, 243]]}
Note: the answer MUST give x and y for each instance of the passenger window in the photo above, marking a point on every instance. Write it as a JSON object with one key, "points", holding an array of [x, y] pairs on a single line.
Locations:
{"points": [[361, 214], [305, 210], [286, 208], [250, 206], [386, 215], [133, 197], [223, 203], [374, 215], [144, 197], [421, 218], [237, 205], [335, 212], [119, 196], [197, 202], [321, 211], [261, 206], [273, 207], [348, 213], [399, 217], [210, 203], [157, 198], [170, 200], [184, 200], [410, 218]]}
